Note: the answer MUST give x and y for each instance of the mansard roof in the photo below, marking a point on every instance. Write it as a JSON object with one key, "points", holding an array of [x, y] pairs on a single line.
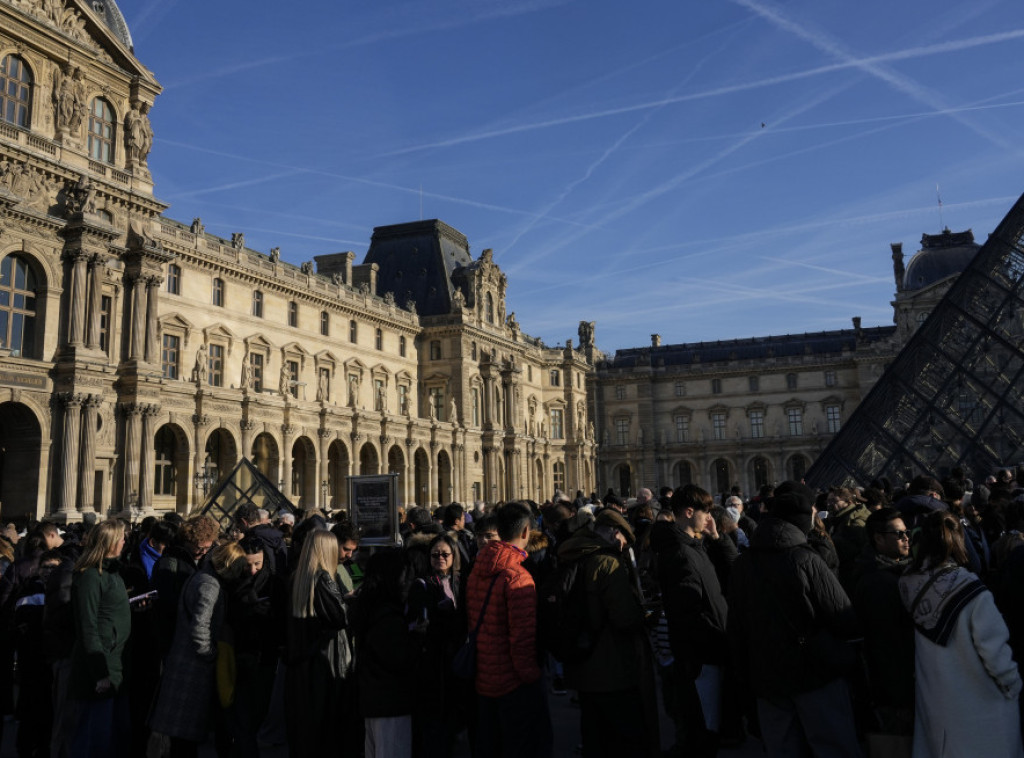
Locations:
{"points": [[416, 262], [752, 349], [113, 19], [941, 256]]}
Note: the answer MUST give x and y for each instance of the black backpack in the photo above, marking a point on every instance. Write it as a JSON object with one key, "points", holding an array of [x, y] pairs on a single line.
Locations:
{"points": [[563, 625]]}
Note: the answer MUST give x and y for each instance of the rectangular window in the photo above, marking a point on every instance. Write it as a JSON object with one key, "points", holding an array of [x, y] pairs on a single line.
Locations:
{"points": [[215, 363], [716, 386], [796, 422], [475, 394], [169, 355], [557, 427], [218, 292], [558, 475], [437, 402], [682, 429], [757, 424], [106, 304], [718, 426], [256, 360], [620, 392], [529, 373], [579, 381], [680, 389], [378, 339], [325, 323], [403, 397], [293, 314], [832, 419], [378, 394], [621, 431], [401, 347], [754, 383], [435, 350], [353, 331], [830, 378], [257, 304], [556, 377], [174, 279], [790, 381], [293, 378]]}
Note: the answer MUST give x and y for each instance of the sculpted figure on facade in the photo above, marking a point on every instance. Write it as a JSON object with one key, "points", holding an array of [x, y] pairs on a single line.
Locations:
{"points": [[284, 382], [247, 375], [307, 268], [590, 430], [201, 370], [238, 240], [80, 197], [323, 387], [353, 391], [382, 399], [138, 133], [197, 226], [69, 98], [586, 333], [453, 411], [458, 300], [37, 191]]}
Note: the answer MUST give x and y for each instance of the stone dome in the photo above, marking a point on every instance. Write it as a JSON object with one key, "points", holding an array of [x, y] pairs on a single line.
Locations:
{"points": [[112, 17], [940, 256]]}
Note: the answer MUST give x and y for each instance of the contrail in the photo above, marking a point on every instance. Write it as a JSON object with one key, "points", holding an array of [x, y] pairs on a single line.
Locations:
{"points": [[919, 52]]}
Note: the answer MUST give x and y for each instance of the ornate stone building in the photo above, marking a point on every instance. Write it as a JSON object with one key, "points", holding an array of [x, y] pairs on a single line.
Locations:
{"points": [[137, 352], [755, 411]]}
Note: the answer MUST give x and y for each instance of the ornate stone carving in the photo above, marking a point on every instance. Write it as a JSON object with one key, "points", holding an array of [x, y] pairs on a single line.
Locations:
{"points": [[80, 197], [325, 434], [138, 133], [200, 419], [307, 268], [197, 226], [201, 370], [458, 301], [364, 288], [238, 240], [275, 254], [284, 380], [37, 190], [247, 374], [389, 298], [586, 333], [68, 95], [410, 305]]}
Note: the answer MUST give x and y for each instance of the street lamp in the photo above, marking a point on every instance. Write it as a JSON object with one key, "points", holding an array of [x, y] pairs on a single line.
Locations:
{"points": [[203, 480], [323, 493], [494, 494]]}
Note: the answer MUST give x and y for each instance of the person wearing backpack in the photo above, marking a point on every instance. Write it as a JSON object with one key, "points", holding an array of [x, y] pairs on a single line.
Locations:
{"points": [[607, 680]]}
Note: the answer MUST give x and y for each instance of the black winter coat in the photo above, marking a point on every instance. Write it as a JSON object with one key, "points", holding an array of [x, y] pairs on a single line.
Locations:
{"points": [[691, 595], [783, 591]]}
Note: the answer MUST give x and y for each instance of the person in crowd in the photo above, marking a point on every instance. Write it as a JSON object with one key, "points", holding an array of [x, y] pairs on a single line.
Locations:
{"points": [[250, 521], [924, 495], [59, 639], [176, 565], [608, 681], [695, 608], [783, 595], [387, 656], [99, 602], [318, 654], [847, 516], [455, 521], [486, 530], [508, 677], [967, 683], [186, 700], [347, 535], [438, 600], [819, 540], [888, 631]]}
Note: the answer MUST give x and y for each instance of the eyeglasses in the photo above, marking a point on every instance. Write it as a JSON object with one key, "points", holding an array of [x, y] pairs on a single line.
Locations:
{"points": [[441, 555], [900, 534]]}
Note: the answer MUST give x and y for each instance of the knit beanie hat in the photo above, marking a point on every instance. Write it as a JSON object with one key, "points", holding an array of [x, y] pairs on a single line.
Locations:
{"points": [[793, 503]]}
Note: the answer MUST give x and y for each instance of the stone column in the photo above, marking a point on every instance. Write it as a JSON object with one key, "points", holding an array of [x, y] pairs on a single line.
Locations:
{"points": [[324, 440], [69, 480], [432, 475], [78, 297], [199, 421], [286, 460], [247, 429], [97, 265], [147, 459], [409, 480], [87, 465], [152, 297], [130, 457], [488, 399], [138, 325], [509, 419]]}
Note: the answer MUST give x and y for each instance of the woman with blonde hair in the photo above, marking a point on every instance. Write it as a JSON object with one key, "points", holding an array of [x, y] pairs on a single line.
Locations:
{"points": [[318, 656], [99, 606], [186, 698], [967, 683]]}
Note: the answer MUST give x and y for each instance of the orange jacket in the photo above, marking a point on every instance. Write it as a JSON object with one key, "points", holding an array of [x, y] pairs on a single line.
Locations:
{"points": [[506, 645]]}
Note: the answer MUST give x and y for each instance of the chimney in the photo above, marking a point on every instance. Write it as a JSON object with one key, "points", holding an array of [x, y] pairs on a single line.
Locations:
{"points": [[856, 326], [655, 340]]}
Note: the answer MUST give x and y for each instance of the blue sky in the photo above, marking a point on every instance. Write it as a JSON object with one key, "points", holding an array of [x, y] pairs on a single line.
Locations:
{"points": [[703, 170]]}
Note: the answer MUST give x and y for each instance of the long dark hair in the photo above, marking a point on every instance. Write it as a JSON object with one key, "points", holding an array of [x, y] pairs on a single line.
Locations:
{"points": [[941, 539]]}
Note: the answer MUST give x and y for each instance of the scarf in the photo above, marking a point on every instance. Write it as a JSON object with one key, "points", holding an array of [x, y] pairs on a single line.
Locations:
{"points": [[936, 595]]}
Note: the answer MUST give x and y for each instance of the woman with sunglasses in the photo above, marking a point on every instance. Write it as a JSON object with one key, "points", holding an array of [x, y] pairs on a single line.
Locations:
{"points": [[437, 606], [967, 683]]}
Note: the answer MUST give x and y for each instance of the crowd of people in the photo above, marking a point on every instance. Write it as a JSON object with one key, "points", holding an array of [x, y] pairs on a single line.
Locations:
{"points": [[834, 623]]}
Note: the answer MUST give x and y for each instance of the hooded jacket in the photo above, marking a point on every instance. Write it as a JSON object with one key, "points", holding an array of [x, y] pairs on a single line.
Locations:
{"points": [[782, 591], [507, 641], [614, 613], [695, 607]]}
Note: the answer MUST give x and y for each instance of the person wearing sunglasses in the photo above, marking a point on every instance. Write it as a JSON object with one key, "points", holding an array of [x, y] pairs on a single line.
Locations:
{"points": [[888, 630]]}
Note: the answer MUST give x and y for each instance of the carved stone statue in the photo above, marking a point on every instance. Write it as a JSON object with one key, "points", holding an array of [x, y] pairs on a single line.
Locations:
{"points": [[389, 298], [382, 399], [247, 375], [202, 367], [322, 388], [410, 305], [197, 226], [238, 240], [138, 134], [458, 300], [432, 409], [80, 197], [285, 380], [37, 191], [353, 391], [590, 430], [453, 411], [364, 288], [586, 333], [307, 268], [336, 279], [69, 98]]}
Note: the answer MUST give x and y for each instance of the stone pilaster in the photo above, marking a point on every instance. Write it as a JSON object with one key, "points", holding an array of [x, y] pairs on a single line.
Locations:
{"points": [[131, 412], [152, 297], [72, 403], [135, 285], [78, 297], [87, 463], [147, 458], [97, 264]]}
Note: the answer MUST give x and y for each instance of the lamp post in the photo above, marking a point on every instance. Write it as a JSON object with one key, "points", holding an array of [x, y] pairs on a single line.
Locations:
{"points": [[323, 494], [494, 494], [203, 480]]}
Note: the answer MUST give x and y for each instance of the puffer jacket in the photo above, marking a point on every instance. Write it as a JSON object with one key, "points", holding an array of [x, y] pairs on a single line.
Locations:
{"points": [[695, 607], [782, 591], [848, 530], [507, 641], [614, 614]]}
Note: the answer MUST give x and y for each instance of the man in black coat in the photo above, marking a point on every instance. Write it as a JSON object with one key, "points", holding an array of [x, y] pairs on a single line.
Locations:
{"points": [[789, 619], [695, 608]]}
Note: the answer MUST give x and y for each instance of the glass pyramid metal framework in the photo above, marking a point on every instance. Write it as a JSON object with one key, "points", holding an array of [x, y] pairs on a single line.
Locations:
{"points": [[954, 396], [245, 484]]}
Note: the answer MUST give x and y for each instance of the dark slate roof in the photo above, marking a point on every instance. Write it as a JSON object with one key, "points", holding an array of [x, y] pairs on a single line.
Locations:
{"points": [[111, 15], [941, 256], [753, 349], [417, 261]]}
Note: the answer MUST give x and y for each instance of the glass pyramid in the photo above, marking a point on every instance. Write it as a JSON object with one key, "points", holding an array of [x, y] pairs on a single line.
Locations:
{"points": [[954, 396], [245, 484]]}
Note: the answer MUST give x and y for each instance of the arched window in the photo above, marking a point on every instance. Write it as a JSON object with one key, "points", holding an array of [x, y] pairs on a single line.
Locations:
{"points": [[15, 91], [17, 306], [165, 447], [101, 131]]}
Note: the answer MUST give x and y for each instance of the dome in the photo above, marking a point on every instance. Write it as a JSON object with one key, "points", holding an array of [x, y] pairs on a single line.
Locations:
{"points": [[940, 256], [112, 18]]}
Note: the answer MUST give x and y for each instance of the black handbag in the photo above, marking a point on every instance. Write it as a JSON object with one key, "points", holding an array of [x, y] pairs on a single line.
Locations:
{"points": [[464, 661]]}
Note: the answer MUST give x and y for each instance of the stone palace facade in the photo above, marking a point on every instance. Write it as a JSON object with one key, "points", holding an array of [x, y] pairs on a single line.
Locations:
{"points": [[137, 352]]}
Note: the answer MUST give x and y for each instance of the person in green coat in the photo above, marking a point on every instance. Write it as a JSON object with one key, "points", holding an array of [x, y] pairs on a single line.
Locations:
{"points": [[102, 619]]}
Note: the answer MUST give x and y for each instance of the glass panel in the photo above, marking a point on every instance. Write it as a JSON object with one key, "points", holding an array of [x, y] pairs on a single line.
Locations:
{"points": [[5, 271], [17, 327], [19, 275], [5, 298], [3, 328]]}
